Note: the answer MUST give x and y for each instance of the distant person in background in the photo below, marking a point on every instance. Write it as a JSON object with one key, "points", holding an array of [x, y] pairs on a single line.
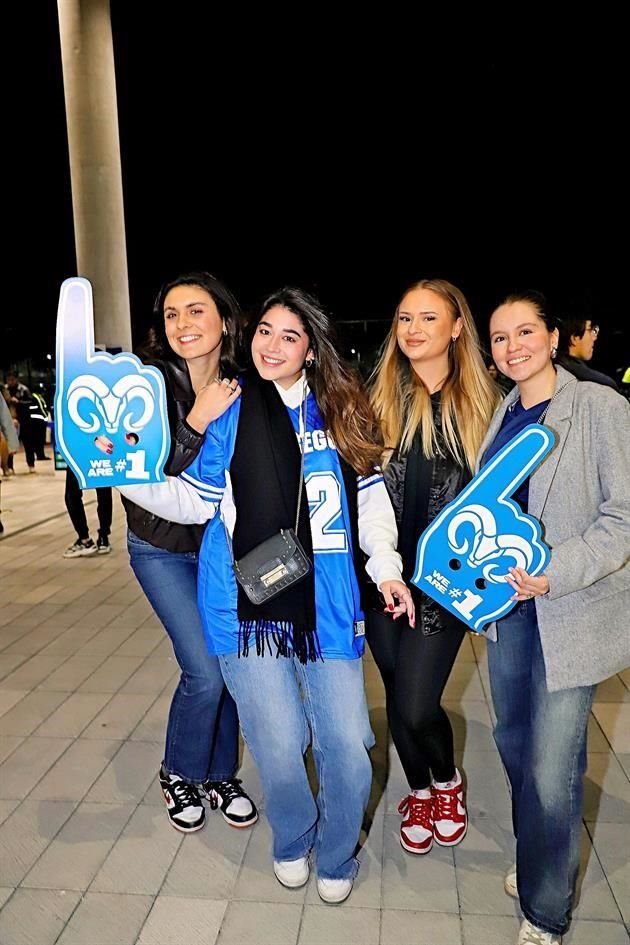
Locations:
{"points": [[21, 399], [576, 347], [9, 441], [84, 545], [40, 416]]}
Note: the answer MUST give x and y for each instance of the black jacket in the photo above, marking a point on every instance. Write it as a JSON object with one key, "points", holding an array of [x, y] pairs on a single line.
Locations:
{"points": [[419, 488], [185, 444], [583, 372]]}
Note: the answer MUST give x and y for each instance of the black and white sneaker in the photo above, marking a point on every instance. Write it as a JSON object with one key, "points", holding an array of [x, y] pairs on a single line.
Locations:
{"points": [[185, 808], [103, 546], [229, 797]]}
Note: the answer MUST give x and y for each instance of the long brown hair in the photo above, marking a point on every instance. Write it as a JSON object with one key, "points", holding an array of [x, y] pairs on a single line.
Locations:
{"points": [[340, 395], [469, 395]]}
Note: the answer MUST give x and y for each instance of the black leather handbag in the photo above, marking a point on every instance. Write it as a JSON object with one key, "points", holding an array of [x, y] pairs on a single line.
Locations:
{"points": [[278, 562], [272, 566]]}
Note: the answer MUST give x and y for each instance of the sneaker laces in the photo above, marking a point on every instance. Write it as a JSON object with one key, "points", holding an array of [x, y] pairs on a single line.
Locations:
{"points": [[229, 791], [419, 811], [445, 803], [186, 794]]}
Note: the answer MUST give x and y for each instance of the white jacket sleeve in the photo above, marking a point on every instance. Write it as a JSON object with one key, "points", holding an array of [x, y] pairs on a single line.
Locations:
{"points": [[378, 535], [174, 500]]}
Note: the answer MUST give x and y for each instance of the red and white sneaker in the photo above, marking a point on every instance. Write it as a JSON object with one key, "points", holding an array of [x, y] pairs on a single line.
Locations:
{"points": [[449, 811], [416, 830]]}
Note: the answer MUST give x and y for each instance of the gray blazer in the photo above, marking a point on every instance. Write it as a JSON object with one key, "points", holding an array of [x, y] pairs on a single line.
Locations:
{"points": [[581, 495]]}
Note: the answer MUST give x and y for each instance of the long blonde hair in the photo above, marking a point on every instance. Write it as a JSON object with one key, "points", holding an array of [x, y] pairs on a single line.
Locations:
{"points": [[469, 395]]}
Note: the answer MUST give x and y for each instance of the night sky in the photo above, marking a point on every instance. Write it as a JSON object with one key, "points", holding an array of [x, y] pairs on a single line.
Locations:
{"points": [[348, 156]]}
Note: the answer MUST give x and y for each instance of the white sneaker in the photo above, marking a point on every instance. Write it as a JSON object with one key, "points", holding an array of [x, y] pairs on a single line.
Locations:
{"points": [[334, 890], [509, 883], [532, 935], [292, 873]]}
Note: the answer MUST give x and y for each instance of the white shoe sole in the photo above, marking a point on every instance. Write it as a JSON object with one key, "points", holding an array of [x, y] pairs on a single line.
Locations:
{"points": [[334, 901], [451, 843], [413, 850], [244, 823], [510, 889]]}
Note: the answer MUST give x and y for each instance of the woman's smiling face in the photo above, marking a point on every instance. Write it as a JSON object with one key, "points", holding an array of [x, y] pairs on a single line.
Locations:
{"points": [[520, 341], [280, 346]]}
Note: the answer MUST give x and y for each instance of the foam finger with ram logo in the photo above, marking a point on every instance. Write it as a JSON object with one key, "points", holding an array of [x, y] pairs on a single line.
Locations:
{"points": [[111, 423], [464, 555]]}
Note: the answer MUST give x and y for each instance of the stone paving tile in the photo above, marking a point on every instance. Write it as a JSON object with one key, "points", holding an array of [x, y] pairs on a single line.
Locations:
{"points": [[73, 858], [615, 723], [28, 764], [5, 892], [152, 676], [26, 833], [9, 697], [74, 715], [612, 845], [111, 674], [36, 916], [72, 776], [120, 716], [141, 857], [107, 920], [30, 712], [128, 775], [207, 862], [323, 925], [624, 760], [260, 923], [421, 883], [6, 808], [606, 790], [420, 928], [142, 642], [72, 673], [175, 921], [8, 744]]}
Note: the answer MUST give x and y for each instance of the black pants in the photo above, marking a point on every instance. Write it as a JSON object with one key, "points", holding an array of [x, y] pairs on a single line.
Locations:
{"points": [[28, 435], [415, 669], [74, 505], [39, 438]]}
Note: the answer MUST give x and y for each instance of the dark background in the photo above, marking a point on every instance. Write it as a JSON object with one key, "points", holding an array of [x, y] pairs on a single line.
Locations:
{"points": [[345, 151]]}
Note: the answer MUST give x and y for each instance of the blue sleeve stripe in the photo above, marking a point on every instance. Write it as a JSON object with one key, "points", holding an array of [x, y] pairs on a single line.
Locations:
{"points": [[202, 486], [371, 481]]}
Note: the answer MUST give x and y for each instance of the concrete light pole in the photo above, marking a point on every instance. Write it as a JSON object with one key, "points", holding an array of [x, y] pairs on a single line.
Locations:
{"points": [[97, 196]]}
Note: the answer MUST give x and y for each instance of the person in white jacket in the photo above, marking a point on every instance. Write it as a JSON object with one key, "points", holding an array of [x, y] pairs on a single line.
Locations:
{"points": [[297, 447], [7, 430]]}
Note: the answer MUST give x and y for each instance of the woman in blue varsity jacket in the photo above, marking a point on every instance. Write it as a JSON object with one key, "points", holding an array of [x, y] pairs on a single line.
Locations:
{"points": [[293, 664]]}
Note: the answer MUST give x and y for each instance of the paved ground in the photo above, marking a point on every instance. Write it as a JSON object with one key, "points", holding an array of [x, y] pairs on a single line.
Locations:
{"points": [[87, 856]]}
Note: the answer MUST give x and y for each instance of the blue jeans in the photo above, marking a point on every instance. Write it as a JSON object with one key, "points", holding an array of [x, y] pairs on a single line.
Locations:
{"points": [[202, 731], [541, 737], [279, 701]]}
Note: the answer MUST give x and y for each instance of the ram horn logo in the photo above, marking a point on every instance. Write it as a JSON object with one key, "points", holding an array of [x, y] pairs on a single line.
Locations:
{"points": [[111, 405], [486, 546]]}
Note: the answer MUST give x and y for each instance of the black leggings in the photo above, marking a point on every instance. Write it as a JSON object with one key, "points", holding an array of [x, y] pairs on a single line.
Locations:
{"points": [[415, 669]]}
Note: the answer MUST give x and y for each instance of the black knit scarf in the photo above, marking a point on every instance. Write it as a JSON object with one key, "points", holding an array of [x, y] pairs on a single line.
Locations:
{"points": [[265, 471]]}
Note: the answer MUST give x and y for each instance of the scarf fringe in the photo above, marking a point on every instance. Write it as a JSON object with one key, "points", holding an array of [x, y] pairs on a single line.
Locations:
{"points": [[285, 637]]}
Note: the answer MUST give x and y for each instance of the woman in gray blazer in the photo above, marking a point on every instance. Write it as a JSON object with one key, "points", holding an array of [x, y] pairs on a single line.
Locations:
{"points": [[569, 629]]}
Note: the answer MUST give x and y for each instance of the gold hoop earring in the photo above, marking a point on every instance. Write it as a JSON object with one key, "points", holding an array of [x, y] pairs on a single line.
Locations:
{"points": [[309, 362]]}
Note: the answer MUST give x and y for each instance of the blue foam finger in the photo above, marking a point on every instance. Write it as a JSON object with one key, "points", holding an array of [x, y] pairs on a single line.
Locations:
{"points": [[464, 555], [111, 422]]}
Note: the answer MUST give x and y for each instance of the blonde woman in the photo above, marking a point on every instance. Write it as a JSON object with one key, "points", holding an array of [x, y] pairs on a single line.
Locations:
{"points": [[435, 400]]}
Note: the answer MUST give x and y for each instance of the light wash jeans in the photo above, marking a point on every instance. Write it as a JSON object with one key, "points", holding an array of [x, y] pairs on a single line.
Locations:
{"points": [[282, 705], [541, 737], [202, 730]]}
